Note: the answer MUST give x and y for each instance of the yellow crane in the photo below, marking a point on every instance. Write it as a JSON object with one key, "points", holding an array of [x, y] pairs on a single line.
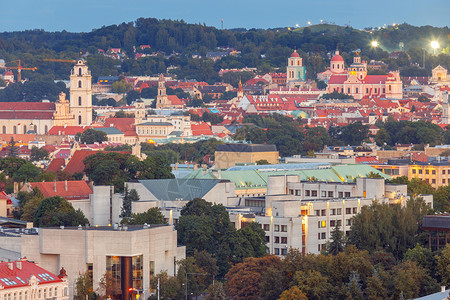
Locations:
{"points": [[60, 60], [19, 69]]}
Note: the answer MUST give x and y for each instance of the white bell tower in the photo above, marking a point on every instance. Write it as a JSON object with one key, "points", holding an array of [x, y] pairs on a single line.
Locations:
{"points": [[81, 93]]}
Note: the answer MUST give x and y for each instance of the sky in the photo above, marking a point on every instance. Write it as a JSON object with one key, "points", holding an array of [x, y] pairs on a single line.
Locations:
{"points": [[86, 15]]}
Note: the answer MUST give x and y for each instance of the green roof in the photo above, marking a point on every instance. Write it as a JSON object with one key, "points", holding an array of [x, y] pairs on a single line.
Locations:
{"points": [[179, 189]]}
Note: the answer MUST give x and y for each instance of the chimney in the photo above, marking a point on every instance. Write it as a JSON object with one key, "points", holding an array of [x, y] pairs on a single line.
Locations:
{"points": [[65, 185], [19, 265], [442, 288], [11, 266], [54, 185]]}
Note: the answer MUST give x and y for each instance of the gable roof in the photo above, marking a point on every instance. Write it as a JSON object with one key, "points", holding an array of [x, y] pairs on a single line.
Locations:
{"points": [[70, 190], [66, 130], [18, 274], [179, 189], [56, 164], [76, 163]]}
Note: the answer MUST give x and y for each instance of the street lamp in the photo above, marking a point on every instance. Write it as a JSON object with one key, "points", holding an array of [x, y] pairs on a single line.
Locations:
{"points": [[374, 44], [434, 45]]}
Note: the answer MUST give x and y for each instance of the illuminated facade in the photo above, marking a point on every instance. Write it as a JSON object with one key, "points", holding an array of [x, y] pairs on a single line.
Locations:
{"points": [[436, 174]]}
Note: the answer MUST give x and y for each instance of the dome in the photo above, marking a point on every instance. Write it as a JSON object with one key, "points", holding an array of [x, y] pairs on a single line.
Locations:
{"points": [[295, 54], [391, 76], [337, 57]]}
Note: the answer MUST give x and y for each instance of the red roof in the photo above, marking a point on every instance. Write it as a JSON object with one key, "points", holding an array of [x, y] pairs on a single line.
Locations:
{"points": [[70, 190], [123, 124], [295, 54], [366, 160], [337, 57], [27, 106], [337, 79], [174, 100], [375, 79], [19, 273], [56, 165], [76, 162], [66, 130], [201, 128], [26, 115]]}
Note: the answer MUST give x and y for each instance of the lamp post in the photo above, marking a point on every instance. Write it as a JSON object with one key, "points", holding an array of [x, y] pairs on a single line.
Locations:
{"points": [[434, 45], [374, 44]]}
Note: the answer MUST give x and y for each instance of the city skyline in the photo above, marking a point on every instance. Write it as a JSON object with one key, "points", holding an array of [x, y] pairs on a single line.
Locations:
{"points": [[84, 16]]}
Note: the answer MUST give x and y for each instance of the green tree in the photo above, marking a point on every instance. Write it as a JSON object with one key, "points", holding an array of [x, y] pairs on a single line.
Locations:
{"points": [[38, 154], [108, 287], [13, 150], [216, 291], [91, 136], [83, 287], [128, 198], [151, 216], [294, 293], [262, 162], [313, 284], [337, 241], [56, 211], [443, 266], [168, 285], [26, 172]]}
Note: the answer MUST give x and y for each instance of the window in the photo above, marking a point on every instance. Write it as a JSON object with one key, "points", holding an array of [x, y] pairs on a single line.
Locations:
{"points": [[284, 240], [277, 227], [433, 172], [332, 212], [420, 171], [79, 101], [266, 227], [39, 294], [427, 172], [291, 192], [324, 212], [79, 120], [14, 129], [340, 194], [45, 293], [4, 130], [332, 223], [283, 251], [267, 239], [355, 210], [317, 212], [298, 192], [277, 251], [324, 235], [357, 90], [324, 193], [50, 292], [79, 71], [330, 194], [443, 181], [433, 180], [349, 222], [347, 194], [348, 90], [348, 210], [79, 83], [56, 292], [390, 88], [367, 90], [283, 228], [314, 193], [443, 171], [307, 193], [339, 222], [339, 211], [318, 235]]}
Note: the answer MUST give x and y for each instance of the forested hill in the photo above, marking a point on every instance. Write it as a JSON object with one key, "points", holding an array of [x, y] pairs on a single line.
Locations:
{"points": [[262, 48]]}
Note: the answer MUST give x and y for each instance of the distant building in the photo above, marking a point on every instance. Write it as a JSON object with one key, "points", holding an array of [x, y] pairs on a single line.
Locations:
{"points": [[26, 280], [296, 73], [438, 228], [355, 82], [228, 155]]}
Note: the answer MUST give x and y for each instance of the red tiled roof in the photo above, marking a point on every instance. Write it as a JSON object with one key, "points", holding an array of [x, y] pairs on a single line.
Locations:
{"points": [[295, 54], [337, 57], [337, 79], [76, 162], [201, 128], [123, 124], [26, 115], [375, 79], [75, 190], [66, 130], [174, 100], [27, 106], [366, 160], [55, 165], [12, 271]]}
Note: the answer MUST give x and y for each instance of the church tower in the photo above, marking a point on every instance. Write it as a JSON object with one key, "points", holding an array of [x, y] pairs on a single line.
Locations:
{"points": [[140, 111], [445, 109], [161, 99], [240, 91], [62, 115], [81, 93], [337, 63], [295, 69]]}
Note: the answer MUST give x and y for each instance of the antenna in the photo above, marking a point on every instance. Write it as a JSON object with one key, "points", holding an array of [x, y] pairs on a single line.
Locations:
{"points": [[222, 22]]}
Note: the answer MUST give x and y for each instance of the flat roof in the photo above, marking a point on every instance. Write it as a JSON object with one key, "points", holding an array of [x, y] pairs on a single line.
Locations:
{"points": [[246, 148]]}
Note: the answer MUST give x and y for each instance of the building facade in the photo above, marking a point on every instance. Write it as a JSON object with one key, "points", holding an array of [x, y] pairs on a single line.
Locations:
{"points": [[81, 93]]}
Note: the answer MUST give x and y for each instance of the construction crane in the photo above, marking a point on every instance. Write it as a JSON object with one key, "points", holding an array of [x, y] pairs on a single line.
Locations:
{"points": [[19, 69], [60, 60]]}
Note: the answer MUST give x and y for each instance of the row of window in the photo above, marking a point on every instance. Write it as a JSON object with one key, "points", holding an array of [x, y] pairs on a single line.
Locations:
{"points": [[357, 90], [323, 224], [151, 131], [276, 228], [336, 211], [34, 294], [427, 172], [278, 252], [313, 193], [16, 131]]}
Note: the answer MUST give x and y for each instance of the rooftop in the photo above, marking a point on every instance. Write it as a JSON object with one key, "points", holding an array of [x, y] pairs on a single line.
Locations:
{"points": [[246, 148]]}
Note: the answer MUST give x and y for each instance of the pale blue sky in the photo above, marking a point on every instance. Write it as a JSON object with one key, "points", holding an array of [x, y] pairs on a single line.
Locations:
{"points": [[85, 15]]}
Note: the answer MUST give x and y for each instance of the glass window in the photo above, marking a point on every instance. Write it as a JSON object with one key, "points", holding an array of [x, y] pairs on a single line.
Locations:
{"points": [[332, 223], [277, 251], [324, 193], [324, 235], [420, 171], [137, 263], [339, 211], [113, 265], [340, 194], [277, 227], [332, 212], [283, 228], [283, 251], [433, 172], [307, 193], [266, 227], [324, 212], [347, 194], [427, 172], [355, 210], [330, 194], [414, 171], [317, 211], [314, 193], [284, 240]]}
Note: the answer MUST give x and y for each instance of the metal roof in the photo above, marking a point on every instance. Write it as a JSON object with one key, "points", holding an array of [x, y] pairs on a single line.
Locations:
{"points": [[246, 148], [109, 130], [179, 189], [279, 167]]}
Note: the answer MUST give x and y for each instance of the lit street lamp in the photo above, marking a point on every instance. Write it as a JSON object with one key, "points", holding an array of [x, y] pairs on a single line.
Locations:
{"points": [[434, 45], [374, 44]]}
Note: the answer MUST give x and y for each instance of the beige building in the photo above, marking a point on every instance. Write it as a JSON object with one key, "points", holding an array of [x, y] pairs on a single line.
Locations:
{"points": [[81, 93], [153, 130], [133, 254], [436, 174], [228, 155]]}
